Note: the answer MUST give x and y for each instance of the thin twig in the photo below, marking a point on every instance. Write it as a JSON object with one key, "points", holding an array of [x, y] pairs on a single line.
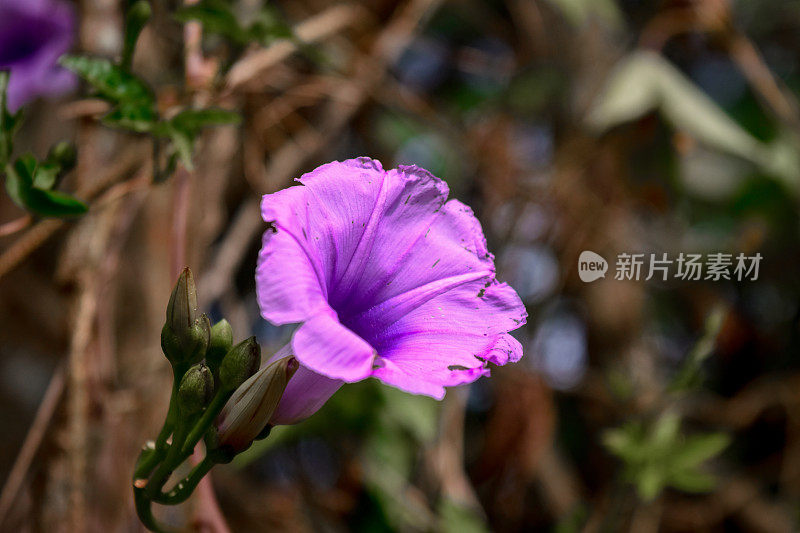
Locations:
{"points": [[13, 226], [43, 230], [752, 64], [79, 403], [316, 28], [180, 214], [32, 442], [245, 226]]}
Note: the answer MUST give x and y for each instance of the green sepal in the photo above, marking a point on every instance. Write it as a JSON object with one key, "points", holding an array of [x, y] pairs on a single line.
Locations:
{"points": [[241, 362]]}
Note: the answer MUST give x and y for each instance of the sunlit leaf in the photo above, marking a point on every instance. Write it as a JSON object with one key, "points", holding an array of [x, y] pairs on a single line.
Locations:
{"points": [[662, 457], [699, 448], [45, 175], [645, 82], [456, 518], [690, 480], [579, 12], [110, 81], [193, 120]]}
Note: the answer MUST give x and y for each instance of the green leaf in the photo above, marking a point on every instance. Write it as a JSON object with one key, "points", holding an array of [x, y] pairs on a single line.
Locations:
{"points": [[141, 119], [690, 480], [45, 175], [110, 81], [9, 122], [699, 448], [183, 129], [134, 103], [665, 431], [183, 143], [193, 120], [690, 373], [580, 12], [457, 518], [216, 17], [269, 26], [55, 204], [19, 180], [650, 482], [662, 457], [20, 184], [644, 82], [135, 20], [625, 442]]}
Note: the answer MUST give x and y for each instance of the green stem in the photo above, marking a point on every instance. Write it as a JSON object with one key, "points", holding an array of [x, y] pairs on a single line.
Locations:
{"points": [[172, 410], [147, 461], [205, 421], [145, 512], [173, 460], [184, 488]]}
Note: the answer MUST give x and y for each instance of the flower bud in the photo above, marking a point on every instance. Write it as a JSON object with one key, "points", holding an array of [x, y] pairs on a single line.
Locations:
{"points": [[195, 390], [220, 344], [241, 362], [249, 409], [64, 155], [185, 335], [182, 307]]}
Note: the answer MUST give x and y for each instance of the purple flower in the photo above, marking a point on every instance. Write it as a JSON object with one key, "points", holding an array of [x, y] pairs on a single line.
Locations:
{"points": [[33, 34], [389, 280]]}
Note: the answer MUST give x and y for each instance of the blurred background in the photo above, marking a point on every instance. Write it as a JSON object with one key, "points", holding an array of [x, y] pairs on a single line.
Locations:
{"points": [[617, 126]]}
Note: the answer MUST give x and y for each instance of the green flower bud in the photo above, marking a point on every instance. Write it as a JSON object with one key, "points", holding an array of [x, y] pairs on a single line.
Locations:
{"points": [[182, 306], [196, 390], [220, 344], [64, 155], [185, 336], [199, 338], [241, 362], [248, 411]]}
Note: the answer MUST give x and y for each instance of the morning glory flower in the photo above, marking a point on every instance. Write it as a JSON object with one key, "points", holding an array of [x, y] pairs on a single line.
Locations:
{"points": [[387, 279], [33, 34]]}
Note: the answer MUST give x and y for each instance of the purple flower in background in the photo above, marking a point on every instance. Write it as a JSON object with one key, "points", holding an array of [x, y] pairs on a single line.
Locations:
{"points": [[389, 280], [33, 34]]}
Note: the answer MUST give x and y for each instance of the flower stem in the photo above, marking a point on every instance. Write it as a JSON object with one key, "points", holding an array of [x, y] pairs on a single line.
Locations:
{"points": [[184, 488], [172, 410], [205, 421], [145, 512]]}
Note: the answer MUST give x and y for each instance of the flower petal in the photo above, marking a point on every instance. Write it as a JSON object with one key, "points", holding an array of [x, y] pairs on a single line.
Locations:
{"points": [[289, 288], [306, 392], [418, 378], [507, 349], [327, 347]]}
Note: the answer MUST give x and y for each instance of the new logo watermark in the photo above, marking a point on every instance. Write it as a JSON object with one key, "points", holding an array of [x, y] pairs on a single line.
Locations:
{"points": [[687, 267], [591, 266]]}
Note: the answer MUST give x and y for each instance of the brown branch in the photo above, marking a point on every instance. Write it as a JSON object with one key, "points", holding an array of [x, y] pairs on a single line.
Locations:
{"points": [[79, 403], [180, 215], [43, 230], [316, 28], [772, 91], [32, 442], [245, 226], [13, 226]]}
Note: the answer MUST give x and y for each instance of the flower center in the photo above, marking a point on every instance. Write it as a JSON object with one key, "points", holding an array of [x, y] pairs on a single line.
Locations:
{"points": [[22, 39]]}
